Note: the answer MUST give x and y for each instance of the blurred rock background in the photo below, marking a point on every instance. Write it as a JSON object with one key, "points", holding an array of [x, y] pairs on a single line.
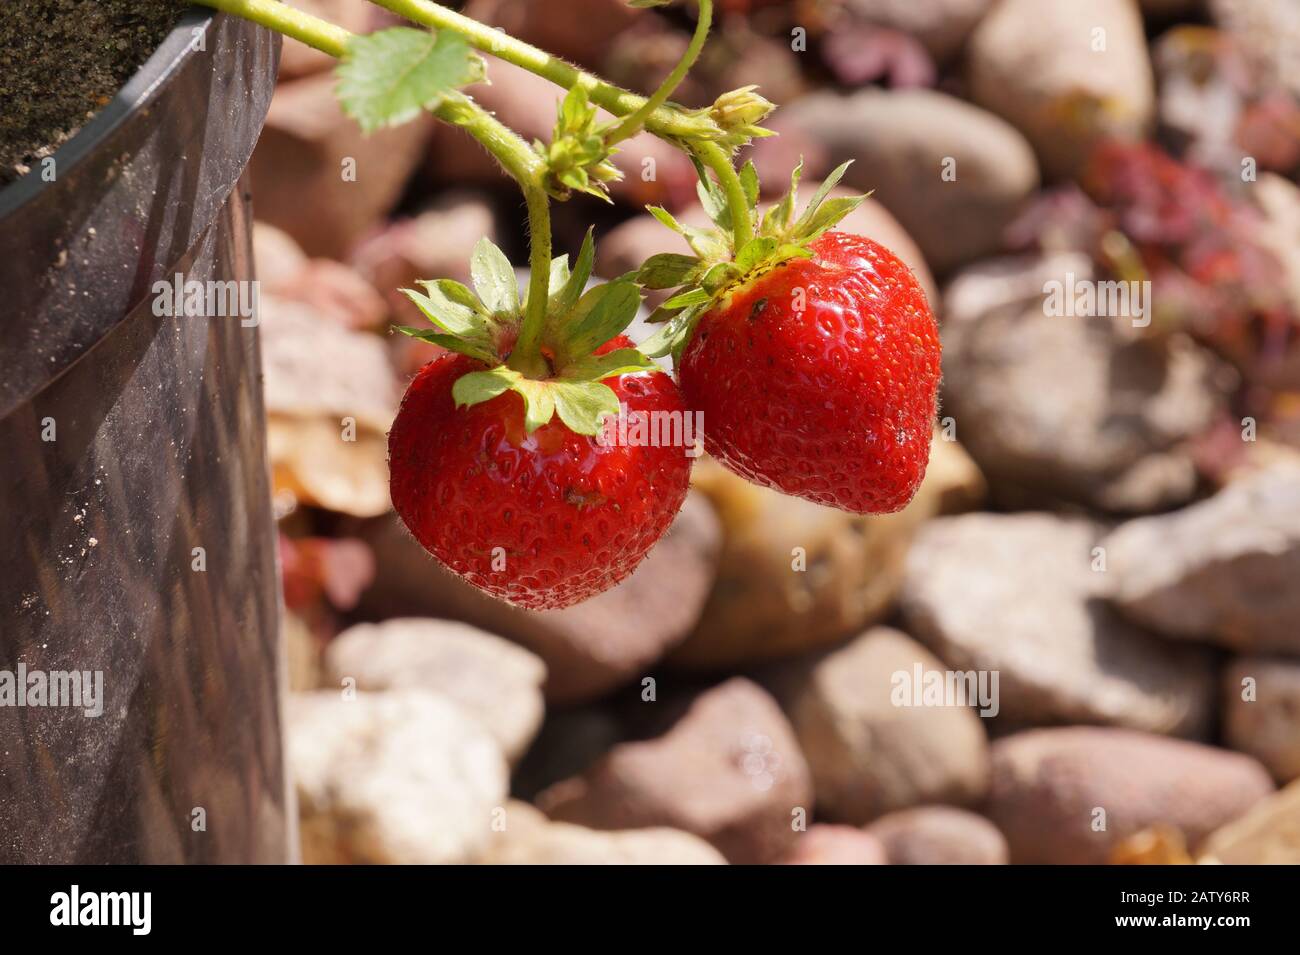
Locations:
{"points": [[1110, 523]]}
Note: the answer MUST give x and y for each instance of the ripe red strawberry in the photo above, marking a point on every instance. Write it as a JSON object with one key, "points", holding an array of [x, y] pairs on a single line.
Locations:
{"points": [[542, 519], [818, 377]]}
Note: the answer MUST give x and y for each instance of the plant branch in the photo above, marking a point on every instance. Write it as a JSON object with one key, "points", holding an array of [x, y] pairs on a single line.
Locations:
{"points": [[663, 122], [282, 18], [632, 123], [515, 156], [715, 157]]}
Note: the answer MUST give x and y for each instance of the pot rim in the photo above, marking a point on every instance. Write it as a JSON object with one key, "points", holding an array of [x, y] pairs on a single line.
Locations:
{"points": [[171, 54]]}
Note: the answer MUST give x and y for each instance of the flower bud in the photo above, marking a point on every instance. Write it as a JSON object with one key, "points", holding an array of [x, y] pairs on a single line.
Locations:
{"points": [[740, 111]]}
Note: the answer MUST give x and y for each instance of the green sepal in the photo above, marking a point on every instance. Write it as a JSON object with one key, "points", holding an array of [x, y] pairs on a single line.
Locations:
{"points": [[601, 313], [484, 352], [494, 279], [567, 296], [667, 270], [577, 157], [452, 316], [620, 361], [672, 337], [479, 386], [755, 252], [454, 291], [558, 277], [711, 196], [579, 397], [749, 182], [583, 405], [777, 219], [695, 296]]}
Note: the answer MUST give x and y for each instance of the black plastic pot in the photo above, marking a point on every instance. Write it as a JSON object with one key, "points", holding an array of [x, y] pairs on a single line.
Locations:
{"points": [[130, 442]]}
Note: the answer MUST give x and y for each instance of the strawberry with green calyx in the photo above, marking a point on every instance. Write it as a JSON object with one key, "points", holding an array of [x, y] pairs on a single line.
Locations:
{"points": [[506, 478], [702, 281], [813, 355], [484, 324]]}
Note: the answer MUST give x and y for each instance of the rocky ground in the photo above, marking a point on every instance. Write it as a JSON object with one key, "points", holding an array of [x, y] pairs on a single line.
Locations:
{"points": [[1108, 535]]}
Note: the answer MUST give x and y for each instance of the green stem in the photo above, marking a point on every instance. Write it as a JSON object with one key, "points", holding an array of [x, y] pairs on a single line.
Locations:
{"points": [[716, 158], [283, 18], [515, 156], [526, 356], [664, 122], [523, 165], [632, 124]]}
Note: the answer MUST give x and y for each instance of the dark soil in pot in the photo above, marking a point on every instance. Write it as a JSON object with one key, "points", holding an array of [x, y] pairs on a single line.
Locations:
{"points": [[61, 61]]}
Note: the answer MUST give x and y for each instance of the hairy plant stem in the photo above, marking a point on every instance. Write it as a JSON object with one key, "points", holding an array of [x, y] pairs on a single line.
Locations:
{"points": [[715, 158], [632, 123], [663, 122], [282, 18], [523, 165], [516, 157], [681, 129]]}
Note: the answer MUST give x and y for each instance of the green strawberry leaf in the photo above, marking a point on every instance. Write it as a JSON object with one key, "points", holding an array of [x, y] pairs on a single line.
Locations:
{"points": [[582, 405], [387, 77], [667, 270], [494, 279]]}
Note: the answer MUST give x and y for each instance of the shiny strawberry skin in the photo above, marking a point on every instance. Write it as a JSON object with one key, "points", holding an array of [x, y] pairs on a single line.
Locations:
{"points": [[573, 517], [834, 401]]}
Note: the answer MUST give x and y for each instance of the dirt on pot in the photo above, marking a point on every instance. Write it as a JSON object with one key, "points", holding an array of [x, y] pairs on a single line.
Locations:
{"points": [[61, 61]]}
